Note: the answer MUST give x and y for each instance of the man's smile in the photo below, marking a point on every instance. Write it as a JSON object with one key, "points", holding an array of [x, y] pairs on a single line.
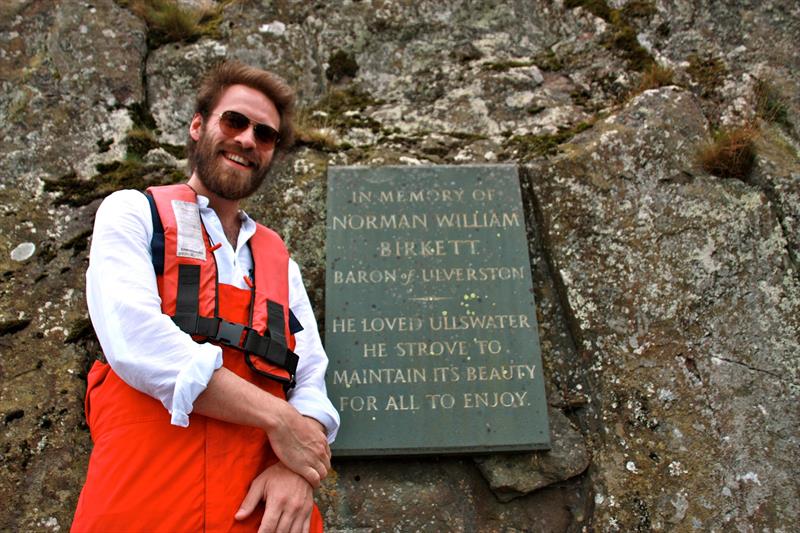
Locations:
{"points": [[238, 159]]}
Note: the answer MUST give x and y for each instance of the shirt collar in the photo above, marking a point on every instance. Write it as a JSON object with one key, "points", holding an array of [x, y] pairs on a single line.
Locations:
{"points": [[248, 227]]}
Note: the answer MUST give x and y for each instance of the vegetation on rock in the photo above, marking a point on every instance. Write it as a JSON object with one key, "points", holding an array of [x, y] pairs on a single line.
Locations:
{"points": [[168, 21], [707, 71], [341, 66], [526, 147], [129, 174], [771, 105], [623, 37], [731, 153]]}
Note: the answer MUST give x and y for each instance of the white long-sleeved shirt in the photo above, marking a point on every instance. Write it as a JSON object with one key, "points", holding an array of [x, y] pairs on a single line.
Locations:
{"points": [[146, 349]]}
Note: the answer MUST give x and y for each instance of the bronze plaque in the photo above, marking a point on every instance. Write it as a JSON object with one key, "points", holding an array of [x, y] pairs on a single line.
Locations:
{"points": [[430, 321]]}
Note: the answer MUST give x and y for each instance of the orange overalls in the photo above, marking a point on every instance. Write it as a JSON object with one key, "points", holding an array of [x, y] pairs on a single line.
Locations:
{"points": [[146, 474]]}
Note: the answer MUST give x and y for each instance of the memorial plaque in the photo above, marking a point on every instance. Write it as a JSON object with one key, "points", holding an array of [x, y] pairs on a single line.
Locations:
{"points": [[430, 323]]}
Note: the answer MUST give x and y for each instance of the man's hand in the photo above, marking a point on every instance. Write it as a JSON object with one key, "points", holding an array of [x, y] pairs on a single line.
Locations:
{"points": [[288, 500], [300, 443]]}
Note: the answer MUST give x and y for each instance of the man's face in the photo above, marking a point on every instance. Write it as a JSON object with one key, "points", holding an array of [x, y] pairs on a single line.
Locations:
{"points": [[234, 166]]}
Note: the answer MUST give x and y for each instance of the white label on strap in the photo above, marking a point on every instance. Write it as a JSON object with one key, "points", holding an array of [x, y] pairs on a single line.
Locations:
{"points": [[190, 230]]}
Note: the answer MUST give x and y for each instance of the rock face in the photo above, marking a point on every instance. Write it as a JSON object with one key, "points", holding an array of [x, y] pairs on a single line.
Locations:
{"points": [[684, 364], [513, 475], [668, 298]]}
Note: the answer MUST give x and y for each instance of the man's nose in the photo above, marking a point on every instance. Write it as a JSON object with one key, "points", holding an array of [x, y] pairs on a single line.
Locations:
{"points": [[246, 138]]}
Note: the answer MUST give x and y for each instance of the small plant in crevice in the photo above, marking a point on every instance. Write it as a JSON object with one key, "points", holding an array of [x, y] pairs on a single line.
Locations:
{"points": [[708, 73], [623, 37], [138, 141], [341, 66], [313, 130], [770, 104], [653, 77], [731, 154], [529, 146], [143, 135], [168, 21]]}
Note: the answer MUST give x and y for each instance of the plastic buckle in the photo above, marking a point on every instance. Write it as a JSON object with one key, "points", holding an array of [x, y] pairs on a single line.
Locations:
{"points": [[230, 334]]}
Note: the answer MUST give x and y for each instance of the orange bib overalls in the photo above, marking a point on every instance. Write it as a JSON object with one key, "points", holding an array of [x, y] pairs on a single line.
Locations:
{"points": [[146, 474]]}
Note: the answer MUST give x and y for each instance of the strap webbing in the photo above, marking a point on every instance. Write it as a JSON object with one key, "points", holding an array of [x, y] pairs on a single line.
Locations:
{"points": [[270, 347], [157, 241], [187, 300]]}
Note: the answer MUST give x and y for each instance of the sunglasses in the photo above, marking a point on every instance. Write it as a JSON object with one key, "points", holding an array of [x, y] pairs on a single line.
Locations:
{"points": [[232, 123]]}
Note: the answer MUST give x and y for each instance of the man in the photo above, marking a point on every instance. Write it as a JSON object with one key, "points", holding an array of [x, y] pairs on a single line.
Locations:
{"points": [[168, 273]]}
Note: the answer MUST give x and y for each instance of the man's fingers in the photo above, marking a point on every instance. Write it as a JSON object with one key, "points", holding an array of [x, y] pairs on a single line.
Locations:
{"points": [[306, 524], [269, 522], [251, 499], [323, 472], [313, 477], [327, 456]]}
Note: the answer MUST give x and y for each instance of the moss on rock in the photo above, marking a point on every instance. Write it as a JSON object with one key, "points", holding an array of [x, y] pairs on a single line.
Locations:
{"points": [[341, 65], [111, 177], [529, 146]]}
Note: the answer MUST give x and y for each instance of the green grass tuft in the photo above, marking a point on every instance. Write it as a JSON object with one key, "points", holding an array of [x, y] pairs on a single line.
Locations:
{"points": [[731, 154], [168, 22], [708, 72], [771, 104], [654, 77]]}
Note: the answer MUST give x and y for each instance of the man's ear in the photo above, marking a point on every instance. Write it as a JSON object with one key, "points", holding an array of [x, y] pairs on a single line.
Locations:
{"points": [[195, 126]]}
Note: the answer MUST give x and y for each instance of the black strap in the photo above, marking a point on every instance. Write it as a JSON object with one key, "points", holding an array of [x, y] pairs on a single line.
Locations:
{"points": [[157, 241], [275, 321], [187, 300], [270, 347]]}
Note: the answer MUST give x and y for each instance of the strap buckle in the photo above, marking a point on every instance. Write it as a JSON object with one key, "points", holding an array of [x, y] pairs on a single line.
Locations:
{"points": [[230, 334]]}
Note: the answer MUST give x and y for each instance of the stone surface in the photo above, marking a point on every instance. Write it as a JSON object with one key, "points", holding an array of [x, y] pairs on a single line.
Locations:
{"points": [[513, 475], [684, 303], [667, 298]]}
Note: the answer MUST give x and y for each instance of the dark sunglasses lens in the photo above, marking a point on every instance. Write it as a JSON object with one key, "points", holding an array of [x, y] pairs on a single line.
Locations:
{"points": [[265, 134], [233, 121]]}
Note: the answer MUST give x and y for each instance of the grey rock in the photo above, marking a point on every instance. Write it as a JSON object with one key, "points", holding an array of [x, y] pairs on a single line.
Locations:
{"points": [[159, 156], [173, 72], [682, 297], [67, 68], [513, 475]]}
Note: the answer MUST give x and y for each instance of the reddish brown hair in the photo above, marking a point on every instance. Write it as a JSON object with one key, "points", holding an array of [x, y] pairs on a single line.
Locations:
{"points": [[228, 73]]}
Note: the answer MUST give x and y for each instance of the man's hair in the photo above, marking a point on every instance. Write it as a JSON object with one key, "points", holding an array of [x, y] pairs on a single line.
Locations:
{"points": [[228, 73]]}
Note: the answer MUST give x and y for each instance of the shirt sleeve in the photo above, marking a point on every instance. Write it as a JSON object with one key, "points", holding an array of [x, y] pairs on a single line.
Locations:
{"points": [[142, 345], [310, 396]]}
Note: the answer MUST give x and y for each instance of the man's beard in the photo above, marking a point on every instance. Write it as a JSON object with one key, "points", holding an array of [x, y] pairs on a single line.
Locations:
{"points": [[220, 178]]}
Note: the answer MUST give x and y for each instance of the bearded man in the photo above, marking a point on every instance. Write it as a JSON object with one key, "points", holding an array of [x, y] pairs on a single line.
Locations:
{"points": [[211, 412]]}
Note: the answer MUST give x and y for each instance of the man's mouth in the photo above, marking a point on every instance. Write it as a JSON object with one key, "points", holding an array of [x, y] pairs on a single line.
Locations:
{"points": [[239, 160]]}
